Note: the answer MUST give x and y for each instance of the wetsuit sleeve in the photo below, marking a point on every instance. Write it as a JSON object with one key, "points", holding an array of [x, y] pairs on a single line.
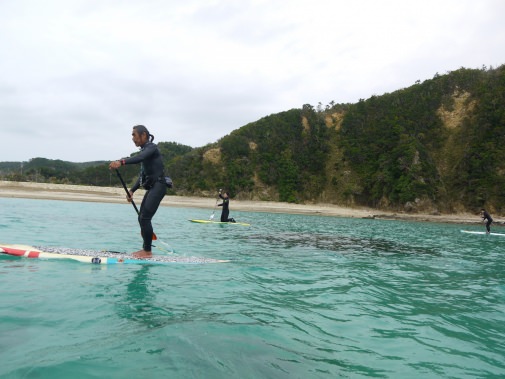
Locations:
{"points": [[144, 153]]}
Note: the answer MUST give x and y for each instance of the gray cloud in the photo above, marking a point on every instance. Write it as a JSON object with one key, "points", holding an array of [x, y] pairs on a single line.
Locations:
{"points": [[76, 76]]}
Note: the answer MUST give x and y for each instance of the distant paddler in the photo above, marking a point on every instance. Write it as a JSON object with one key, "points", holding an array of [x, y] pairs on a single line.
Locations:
{"points": [[225, 196], [486, 216]]}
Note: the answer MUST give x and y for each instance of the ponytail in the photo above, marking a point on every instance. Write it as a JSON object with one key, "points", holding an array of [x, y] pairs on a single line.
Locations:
{"points": [[141, 129]]}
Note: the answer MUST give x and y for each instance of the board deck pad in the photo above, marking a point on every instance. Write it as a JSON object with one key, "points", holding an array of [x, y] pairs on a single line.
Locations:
{"points": [[99, 257], [219, 222]]}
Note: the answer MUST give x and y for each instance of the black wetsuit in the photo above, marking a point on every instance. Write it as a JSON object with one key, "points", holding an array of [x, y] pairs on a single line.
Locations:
{"points": [[151, 178], [226, 211], [487, 216]]}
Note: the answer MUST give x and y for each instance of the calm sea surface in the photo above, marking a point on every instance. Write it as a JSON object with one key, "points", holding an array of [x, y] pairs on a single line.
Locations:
{"points": [[304, 297]]}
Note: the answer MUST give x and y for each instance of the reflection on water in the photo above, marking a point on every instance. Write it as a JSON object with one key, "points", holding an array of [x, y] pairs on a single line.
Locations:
{"points": [[140, 301], [340, 244]]}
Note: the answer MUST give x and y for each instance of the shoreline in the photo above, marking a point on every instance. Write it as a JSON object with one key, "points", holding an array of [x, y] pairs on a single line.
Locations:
{"points": [[49, 191]]}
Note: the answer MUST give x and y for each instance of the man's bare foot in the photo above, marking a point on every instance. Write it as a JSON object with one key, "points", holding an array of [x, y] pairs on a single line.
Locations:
{"points": [[142, 254]]}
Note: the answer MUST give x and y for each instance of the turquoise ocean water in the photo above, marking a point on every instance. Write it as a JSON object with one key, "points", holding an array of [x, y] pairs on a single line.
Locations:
{"points": [[304, 297]]}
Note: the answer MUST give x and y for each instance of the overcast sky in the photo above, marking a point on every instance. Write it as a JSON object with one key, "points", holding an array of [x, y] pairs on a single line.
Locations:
{"points": [[75, 76]]}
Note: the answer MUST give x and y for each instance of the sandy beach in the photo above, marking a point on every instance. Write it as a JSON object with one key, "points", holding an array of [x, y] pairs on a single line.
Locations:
{"points": [[50, 191]]}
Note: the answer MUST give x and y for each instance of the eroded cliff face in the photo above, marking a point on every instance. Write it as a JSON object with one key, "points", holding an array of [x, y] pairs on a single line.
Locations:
{"points": [[213, 156], [452, 118], [462, 106]]}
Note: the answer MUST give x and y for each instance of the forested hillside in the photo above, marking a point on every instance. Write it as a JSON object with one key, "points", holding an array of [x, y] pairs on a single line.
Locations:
{"points": [[437, 146]]}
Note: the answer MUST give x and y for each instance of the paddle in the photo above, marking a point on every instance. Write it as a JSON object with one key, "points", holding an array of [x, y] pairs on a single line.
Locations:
{"points": [[128, 194], [211, 218]]}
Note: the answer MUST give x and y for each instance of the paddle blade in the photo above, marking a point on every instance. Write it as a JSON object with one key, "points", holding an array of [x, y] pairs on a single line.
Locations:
{"points": [[154, 236]]}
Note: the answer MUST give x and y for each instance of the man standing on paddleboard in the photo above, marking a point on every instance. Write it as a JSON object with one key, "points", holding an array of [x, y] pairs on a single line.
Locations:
{"points": [[486, 216], [151, 178]]}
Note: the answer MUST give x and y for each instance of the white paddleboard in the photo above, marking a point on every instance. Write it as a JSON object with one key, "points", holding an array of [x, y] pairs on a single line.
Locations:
{"points": [[97, 257], [475, 232], [219, 222]]}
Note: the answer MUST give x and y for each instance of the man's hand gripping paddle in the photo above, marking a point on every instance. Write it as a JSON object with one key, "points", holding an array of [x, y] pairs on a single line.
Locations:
{"points": [[128, 194]]}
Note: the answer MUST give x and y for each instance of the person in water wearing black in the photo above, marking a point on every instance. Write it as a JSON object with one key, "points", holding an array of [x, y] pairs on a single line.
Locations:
{"points": [[486, 216], [225, 204], [151, 178]]}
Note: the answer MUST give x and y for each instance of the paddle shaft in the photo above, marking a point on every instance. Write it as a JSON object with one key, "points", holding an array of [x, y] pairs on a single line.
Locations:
{"points": [[213, 211], [126, 190]]}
